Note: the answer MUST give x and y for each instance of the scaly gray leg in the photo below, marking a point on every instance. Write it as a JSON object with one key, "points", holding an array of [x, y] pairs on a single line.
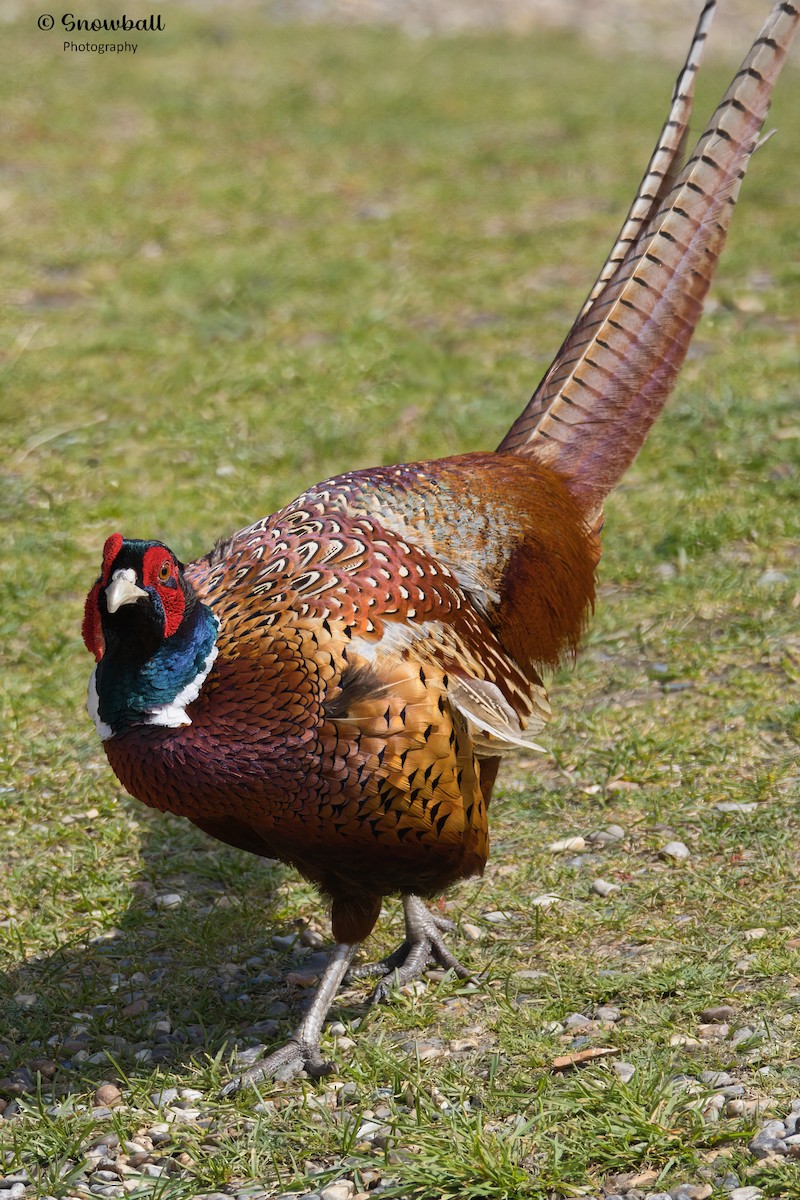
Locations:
{"points": [[302, 1052]]}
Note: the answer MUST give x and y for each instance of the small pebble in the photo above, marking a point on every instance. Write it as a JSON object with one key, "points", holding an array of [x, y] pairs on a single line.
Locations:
{"points": [[765, 1145], [713, 1108], [642, 1179], [565, 844], [302, 979], [626, 1071], [546, 900], [737, 1107], [577, 1020], [676, 851], [312, 939], [425, 1050], [136, 1008], [602, 887], [736, 806], [169, 900], [414, 987], [464, 1045], [716, 1079], [343, 1189], [497, 918], [368, 1129], [607, 1013], [601, 837], [714, 1033], [471, 932], [723, 1012], [745, 1193], [108, 1095], [159, 1134], [283, 941]]}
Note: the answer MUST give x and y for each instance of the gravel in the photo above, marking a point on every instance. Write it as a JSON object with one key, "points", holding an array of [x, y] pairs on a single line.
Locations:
{"points": [[110, 1167]]}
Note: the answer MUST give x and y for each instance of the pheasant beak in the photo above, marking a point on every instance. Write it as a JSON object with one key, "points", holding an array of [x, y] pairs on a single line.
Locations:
{"points": [[123, 589]]}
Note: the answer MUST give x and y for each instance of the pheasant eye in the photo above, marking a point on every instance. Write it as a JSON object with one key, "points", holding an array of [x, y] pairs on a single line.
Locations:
{"points": [[165, 571]]}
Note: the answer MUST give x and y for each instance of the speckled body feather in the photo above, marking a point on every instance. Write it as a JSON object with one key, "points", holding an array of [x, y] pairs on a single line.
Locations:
{"points": [[336, 730]]}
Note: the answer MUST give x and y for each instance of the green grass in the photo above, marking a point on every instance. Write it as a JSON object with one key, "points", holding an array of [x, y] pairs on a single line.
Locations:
{"points": [[252, 256]]}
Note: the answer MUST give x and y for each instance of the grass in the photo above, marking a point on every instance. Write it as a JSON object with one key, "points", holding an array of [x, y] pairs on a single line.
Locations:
{"points": [[254, 255]]}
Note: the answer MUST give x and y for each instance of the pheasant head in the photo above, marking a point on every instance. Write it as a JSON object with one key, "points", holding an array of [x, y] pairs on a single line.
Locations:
{"points": [[153, 639]]}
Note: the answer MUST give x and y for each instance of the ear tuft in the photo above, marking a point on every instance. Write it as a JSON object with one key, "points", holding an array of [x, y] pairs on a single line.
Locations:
{"points": [[110, 551]]}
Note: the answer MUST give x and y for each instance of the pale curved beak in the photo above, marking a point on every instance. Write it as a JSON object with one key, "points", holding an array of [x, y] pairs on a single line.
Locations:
{"points": [[123, 589]]}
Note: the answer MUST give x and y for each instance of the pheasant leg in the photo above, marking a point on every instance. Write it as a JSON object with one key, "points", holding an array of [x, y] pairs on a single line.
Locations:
{"points": [[302, 1051], [423, 942]]}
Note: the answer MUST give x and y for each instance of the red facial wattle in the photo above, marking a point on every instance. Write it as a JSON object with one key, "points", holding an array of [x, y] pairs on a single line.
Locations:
{"points": [[160, 572], [92, 628]]}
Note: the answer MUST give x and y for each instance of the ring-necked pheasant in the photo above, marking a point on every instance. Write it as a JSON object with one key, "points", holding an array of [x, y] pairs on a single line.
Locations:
{"points": [[335, 685]]}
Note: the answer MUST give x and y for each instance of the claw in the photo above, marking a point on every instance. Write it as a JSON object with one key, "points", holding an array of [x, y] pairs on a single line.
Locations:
{"points": [[423, 943], [291, 1060]]}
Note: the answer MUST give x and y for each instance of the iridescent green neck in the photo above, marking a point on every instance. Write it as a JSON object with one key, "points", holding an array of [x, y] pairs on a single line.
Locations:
{"points": [[127, 689]]}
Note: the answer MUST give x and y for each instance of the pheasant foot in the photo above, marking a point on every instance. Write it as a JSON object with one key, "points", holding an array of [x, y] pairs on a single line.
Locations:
{"points": [[423, 943], [302, 1051]]}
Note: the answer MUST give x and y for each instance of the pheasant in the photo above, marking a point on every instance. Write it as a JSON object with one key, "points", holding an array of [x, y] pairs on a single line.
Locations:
{"points": [[336, 685]]}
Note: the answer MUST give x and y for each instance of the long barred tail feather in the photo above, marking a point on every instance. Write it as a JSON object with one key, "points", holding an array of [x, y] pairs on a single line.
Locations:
{"points": [[594, 407], [662, 170]]}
